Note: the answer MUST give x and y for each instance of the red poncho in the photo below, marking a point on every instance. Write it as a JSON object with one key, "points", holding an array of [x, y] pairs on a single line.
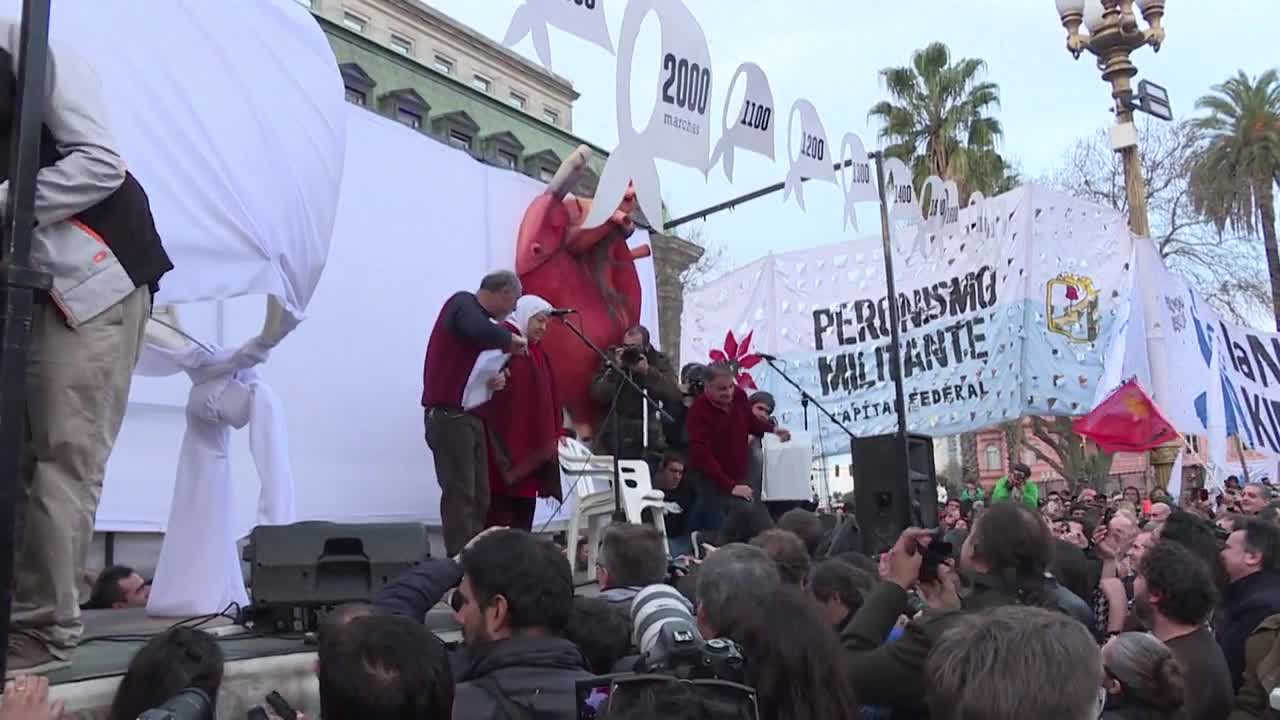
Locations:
{"points": [[524, 423]]}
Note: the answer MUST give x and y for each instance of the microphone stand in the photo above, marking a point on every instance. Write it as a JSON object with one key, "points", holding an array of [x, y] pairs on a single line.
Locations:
{"points": [[806, 398], [619, 514]]}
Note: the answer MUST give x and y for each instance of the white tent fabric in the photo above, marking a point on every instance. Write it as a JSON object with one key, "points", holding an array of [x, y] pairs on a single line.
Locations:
{"points": [[417, 221], [232, 116]]}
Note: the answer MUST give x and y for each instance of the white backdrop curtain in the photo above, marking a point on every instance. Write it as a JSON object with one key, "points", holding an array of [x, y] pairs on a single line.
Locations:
{"points": [[417, 221]]}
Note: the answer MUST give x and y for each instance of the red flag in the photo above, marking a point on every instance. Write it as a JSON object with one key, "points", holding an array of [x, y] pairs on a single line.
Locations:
{"points": [[1127, 421]]}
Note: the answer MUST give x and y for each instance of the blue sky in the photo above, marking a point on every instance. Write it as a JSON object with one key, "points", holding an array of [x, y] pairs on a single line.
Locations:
{"points": [[830, 52]]}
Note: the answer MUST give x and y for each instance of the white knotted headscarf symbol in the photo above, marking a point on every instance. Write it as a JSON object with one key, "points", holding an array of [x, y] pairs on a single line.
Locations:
{"points": [[678, 129], [857, 180], [584, 19], [813, 159], [753, 125]]}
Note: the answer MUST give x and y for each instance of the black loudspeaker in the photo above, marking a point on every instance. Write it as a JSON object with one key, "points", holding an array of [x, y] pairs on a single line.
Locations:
{"points": [[297, 573], [893, 488]]}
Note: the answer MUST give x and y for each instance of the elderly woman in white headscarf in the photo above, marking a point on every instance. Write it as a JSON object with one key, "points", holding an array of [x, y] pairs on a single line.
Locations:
{"points": [[524, 423]]}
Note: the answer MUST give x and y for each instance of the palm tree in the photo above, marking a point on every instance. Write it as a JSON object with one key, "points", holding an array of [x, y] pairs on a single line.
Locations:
{"points": [[1233, 180], [939, 121]]}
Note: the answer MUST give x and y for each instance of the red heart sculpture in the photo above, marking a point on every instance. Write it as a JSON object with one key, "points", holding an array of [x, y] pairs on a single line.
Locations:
{"points": [[591, 270]]}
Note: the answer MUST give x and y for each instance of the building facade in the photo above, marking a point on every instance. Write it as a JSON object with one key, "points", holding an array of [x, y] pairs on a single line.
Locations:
{"points": [[1126, 468], [418, 66]]}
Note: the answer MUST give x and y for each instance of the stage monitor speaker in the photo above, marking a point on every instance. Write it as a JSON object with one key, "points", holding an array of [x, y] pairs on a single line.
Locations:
{"points": [[893, 489], [298, 572]]}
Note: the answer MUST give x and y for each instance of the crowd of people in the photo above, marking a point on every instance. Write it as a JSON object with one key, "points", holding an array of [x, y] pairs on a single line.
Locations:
{"points": [[1074, 607]]}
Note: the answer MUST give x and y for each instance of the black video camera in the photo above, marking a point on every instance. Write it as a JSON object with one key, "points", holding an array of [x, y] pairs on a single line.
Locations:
{"points": [[190, 704], [694, 377], [631, 356]]}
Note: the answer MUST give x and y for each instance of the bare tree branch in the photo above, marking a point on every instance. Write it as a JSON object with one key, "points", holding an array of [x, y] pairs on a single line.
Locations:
{"points": [[1229, 270], [713, 263]]}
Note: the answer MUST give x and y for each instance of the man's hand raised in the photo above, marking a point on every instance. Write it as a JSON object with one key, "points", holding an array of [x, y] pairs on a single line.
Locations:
{"points": [[907, 556]]}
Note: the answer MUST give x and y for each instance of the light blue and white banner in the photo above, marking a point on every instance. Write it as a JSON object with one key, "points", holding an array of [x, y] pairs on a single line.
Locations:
{"points": [[1010, 311]]}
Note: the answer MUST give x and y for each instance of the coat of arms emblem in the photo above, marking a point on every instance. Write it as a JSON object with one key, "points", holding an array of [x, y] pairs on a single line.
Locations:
{"points": [[1072, 303]]}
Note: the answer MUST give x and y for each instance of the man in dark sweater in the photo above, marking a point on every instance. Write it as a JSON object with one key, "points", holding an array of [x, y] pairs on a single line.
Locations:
{"points": [[469, 324], [514, 594], [1252, 560], [719, 425], [1173, 596]]}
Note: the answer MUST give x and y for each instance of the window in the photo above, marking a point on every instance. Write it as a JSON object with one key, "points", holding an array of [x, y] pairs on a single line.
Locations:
{"points": [[1028, 458], [551, 116], [443, 64], [401, 44], [993, 457], [354, 21], [517, 99], [546, 174], [1193, 443], [459, 139], [481, 83], [355, 97], [507, 159], [409, 117]]}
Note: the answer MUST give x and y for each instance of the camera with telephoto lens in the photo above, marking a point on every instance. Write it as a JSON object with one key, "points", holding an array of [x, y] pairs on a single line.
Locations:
{"points": [[631, 356], [670, 644], [694, 378], [673, 656], [937, 552], [190, 704]]}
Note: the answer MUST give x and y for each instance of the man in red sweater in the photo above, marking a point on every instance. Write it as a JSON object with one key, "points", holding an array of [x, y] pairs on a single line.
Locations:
{"points": [[719, 425], [468, 324]]}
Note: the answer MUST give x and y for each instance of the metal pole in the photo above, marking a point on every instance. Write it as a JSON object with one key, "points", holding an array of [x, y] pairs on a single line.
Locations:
{"points": [[895, 335], [735, 202], [18, 280]]}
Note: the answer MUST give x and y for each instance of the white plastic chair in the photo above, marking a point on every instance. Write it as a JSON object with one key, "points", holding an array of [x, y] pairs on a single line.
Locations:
{"points": [[592, 501]]}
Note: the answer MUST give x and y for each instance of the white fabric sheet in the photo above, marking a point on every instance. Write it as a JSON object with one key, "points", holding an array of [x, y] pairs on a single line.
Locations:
{"points": [[417, 221], [199, 569]]}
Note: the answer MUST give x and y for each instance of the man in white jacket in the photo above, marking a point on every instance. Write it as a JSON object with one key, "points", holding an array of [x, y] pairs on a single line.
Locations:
{"points": [[96, 236]]}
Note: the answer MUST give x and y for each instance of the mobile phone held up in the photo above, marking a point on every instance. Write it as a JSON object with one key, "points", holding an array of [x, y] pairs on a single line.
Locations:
{"points": [[281, 707]]}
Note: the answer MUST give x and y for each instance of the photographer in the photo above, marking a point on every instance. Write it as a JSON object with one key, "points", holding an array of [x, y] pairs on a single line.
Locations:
{"points": [[793, 659], [652, 372], [693, 380], [180, 658], [1016, 486], [1004, 558]]}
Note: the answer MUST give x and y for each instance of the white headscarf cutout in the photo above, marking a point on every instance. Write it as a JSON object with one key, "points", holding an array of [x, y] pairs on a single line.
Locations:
{"points": [[526, 308]]}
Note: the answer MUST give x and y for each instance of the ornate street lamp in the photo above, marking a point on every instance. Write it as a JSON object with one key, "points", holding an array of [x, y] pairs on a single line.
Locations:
{"points": [[1110, 30]]}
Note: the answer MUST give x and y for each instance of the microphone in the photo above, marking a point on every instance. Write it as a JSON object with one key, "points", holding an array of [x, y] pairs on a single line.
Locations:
{"points": [[560, 312], [767, 357]]}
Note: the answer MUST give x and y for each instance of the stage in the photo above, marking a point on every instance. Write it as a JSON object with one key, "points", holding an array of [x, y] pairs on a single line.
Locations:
{"points": [[255, 665]]}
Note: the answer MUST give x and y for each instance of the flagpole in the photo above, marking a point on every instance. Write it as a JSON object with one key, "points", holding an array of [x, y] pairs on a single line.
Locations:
{"points": [[895, 335]]}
